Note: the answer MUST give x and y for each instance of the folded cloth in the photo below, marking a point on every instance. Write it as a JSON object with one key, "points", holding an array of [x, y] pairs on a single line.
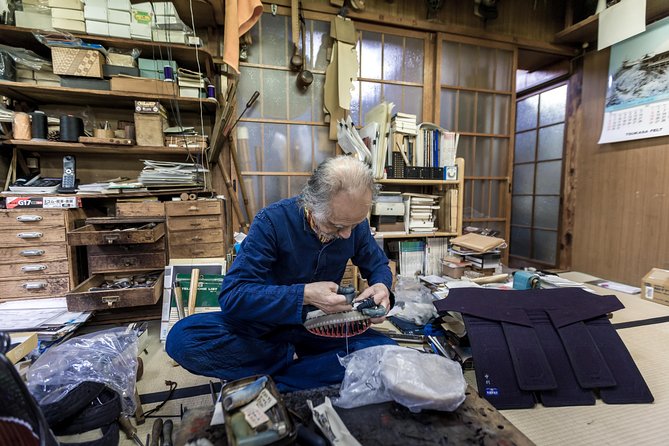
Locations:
{"points": [[240, 16]]}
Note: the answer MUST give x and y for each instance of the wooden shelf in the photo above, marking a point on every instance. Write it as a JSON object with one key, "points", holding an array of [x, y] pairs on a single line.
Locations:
{"points": [[207, 13], [39, 94], [101, 149], [415, 235], [586, 30], [151, 193], [183, 54], [405, 182]]}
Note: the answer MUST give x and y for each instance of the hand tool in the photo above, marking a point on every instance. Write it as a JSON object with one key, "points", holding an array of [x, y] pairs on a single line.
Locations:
{"points": [[129, 430], [192, 294], [167, 433]]}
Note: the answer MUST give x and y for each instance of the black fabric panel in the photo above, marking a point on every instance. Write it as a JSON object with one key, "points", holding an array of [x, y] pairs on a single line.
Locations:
{"points": [[568, 392], [529, 361], [495, 376], [585, 356], [631, 387]]}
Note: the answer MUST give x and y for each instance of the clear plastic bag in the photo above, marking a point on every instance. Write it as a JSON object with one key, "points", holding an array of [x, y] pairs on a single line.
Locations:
{"points": [[413, 379], [414, 301], [26, 58], [108, 356]]}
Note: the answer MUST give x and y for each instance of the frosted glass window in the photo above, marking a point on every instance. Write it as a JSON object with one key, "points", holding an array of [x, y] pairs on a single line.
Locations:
{"points": [[545, 246], [484, 115], [552, 107], [481, 195], [275, 104], [503, 70], [525, 147], [323, 148], [276, 188], [449, 63], [414, 60], [300, 103], [499, 157], [520, 242], [522, 210], [317, 113], [371, 96], [300, 148], [370, 55], [467, 66], [482, 157], [551, 142], [546, 212], [393, 50], [501, 123], [485, 76], [549, 175], [523, 179], [448, 102], [245, 90], [356, 116], [275, 154], [297, 184], [526, 113], [413, 101], [275, 40], [249, 152], [320, 42], [253, 51], [466, 112], [466, 151]]}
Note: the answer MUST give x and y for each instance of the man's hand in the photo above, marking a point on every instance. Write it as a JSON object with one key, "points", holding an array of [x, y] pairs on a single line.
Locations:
{"points": [[323, 295], [381, 296]]}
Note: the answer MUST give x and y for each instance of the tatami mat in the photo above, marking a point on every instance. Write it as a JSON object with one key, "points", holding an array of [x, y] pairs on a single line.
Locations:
{"points": [[601, 424]]}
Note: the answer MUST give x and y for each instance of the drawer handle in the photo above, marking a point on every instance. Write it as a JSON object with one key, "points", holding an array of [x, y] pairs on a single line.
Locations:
{"points": [[110, 300], [111, 239], [199, 251], [32, 268], [28, 235], [29, 218], [34, 285], [197, 238], [196, 224], [32, 252], [128, 261], [193, 208]]}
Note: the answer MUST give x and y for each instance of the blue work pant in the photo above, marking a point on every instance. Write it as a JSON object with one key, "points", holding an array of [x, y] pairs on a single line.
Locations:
{"points": [[204, 344]]}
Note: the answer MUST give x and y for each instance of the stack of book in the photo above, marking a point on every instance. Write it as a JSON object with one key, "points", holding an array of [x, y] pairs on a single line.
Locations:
{"points": [[191, 83], [169, 174], [481, 252], [420, 212]]}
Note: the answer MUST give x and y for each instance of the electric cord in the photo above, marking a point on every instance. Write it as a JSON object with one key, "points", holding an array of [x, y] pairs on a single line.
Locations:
{"points": [[173, 387]]}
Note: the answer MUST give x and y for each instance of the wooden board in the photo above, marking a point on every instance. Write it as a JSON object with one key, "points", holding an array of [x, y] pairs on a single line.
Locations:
{"points": [[112, 141]]}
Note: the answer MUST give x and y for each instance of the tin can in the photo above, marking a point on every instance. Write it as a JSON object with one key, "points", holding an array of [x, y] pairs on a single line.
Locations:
{"points": [[167, 72], [211, 91]]}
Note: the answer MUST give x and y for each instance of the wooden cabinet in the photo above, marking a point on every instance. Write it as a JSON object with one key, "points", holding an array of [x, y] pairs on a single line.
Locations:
{"points": [[35, 260], [195, 229]]}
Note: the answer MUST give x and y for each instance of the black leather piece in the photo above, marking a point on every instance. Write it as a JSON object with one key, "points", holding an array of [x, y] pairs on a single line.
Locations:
{"points": [[579, 345], [72, 402], [103, 410], [495, 377], [110, 437], [631, 387], [529, 360]]}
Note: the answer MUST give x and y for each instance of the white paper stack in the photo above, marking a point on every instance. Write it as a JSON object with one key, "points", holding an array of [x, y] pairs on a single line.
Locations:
{"points": [[169, 174]]}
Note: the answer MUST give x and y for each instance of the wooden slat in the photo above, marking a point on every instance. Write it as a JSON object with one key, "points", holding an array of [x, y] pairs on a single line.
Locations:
{"points": [[100, 149]]}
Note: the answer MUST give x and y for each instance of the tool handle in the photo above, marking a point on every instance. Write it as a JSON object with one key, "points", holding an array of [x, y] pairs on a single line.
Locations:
{"points": [[167, 433], [126, 426], [156, 432]]}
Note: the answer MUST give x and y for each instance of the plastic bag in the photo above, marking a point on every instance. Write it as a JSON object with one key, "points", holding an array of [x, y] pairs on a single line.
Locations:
{"points": [[391, 373], [108, 356], [414, 301], [26, 58]]}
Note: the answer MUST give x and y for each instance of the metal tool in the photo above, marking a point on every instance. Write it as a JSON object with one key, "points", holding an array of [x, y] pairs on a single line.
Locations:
{"points": [[167, 433], [346, 323], [129, 430], [156, 432], [525, 280]]}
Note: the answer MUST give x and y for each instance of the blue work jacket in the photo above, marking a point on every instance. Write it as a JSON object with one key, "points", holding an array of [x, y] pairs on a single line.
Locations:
{"points": [[264, 287]]}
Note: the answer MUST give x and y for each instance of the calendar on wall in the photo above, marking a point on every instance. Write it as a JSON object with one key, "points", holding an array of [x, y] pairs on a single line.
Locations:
{"points": [[637, 99]]}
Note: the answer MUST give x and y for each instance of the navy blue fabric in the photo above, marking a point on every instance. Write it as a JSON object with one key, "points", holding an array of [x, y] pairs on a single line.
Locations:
{"points": [[518, 337], [260, 325]]}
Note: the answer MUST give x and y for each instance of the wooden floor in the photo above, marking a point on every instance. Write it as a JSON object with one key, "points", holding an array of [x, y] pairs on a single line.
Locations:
{"points": [[601, 424]]}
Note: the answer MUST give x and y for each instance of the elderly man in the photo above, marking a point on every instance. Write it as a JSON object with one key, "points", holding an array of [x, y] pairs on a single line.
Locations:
{"points": [[294, 255]]}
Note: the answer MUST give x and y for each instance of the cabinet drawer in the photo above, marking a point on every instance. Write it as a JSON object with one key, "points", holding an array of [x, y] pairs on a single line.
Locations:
{"points": [[34, 236], [126, 262], [200, 236], [31, 270], [29, 218], [82, 298], [198, 207], [110, 250], [116, 234], [195, 250], [38, 254], [185, 223], [49, 286]]}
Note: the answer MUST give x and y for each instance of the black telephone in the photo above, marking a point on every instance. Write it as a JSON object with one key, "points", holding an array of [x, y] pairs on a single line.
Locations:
{"points": [[69, 181]]}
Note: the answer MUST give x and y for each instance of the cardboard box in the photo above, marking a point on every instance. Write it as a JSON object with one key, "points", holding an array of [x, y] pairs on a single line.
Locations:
{"points": [[95, 12], [67, 4], [28, 19], [121, 5], [77, 62], [21, 345], [97, 28], [149, 129], [120, 17], [77, 26], [655, 286], [72, 14], [121, 60], [148, 87], [117, 30], [140, 23]]}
